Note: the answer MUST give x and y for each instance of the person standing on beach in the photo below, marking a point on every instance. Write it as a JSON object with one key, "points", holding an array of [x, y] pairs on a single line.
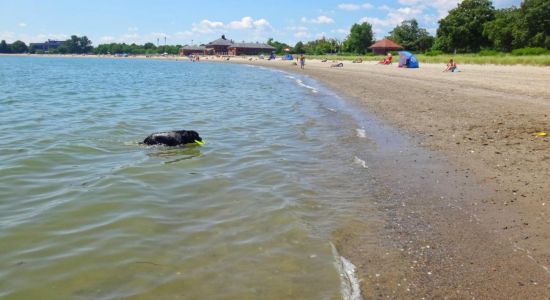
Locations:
{"points": [[302, 61]]}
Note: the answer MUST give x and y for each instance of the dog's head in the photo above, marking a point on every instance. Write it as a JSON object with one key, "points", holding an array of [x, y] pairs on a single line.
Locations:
{"points": [[192, 136]]}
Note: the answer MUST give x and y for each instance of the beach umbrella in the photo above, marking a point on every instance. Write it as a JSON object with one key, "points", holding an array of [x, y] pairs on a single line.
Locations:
{"points": [[407, 60]]}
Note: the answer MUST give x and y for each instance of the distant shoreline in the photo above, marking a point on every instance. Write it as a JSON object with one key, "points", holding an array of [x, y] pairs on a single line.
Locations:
{"points": [[487, 61]]}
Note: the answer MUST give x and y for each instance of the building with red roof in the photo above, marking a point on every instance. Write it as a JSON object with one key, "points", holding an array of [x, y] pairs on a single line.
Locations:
{"points": [[384, 46]]}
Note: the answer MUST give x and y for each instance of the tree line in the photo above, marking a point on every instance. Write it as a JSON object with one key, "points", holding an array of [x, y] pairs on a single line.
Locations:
{"points": [[82, 45], [472, 26]]}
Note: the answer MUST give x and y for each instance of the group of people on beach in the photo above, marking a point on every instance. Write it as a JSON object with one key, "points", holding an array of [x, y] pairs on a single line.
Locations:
{"points": [[451, 64]]}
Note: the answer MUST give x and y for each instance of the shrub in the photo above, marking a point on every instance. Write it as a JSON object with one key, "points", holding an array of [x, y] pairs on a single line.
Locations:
{"points": [[530, 51], [433, 53], [489, 53]]}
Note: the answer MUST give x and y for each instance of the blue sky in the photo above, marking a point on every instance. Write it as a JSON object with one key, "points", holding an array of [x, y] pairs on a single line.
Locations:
{"points": [[186, 22]]}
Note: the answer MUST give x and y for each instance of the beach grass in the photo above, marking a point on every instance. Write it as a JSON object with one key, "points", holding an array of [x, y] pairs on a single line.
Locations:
{"points": [[501, 59]]}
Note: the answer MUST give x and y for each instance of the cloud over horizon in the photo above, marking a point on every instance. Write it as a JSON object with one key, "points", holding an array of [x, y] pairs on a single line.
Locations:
{"points": [[207, 22]]}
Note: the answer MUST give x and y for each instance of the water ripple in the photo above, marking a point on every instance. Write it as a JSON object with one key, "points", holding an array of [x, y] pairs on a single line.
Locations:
{"points": [[86, 211]]}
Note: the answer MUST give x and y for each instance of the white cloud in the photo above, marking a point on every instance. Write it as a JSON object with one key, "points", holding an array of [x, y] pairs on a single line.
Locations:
{"points": [[207, 26], [107, 39], [11, 37], [318, 20], [22, 24], [249, 23], [377, 22], [441, 6], [183, 34], [297, 28], [244, 23], [131, 38], [408, 2], [261, 24], [354, 6], [409, 11], [395, 16], [340, 31], [320, 35], [302, 34]]}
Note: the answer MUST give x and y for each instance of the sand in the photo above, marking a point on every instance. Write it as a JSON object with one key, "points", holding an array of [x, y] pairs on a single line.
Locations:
{"points": [[473, 220]]}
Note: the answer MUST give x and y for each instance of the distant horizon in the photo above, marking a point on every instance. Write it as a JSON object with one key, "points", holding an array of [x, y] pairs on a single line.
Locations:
{"points": [[140, 22]]}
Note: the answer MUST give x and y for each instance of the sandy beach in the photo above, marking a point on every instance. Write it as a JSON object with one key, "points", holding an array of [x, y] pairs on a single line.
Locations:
{"points": [[473, 223]]}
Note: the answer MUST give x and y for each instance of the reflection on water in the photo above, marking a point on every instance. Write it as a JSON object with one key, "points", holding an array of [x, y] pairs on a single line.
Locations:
{"points": [[88, 212], [176, 154]]}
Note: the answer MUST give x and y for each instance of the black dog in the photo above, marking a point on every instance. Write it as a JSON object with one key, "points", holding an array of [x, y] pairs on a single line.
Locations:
{"points": [[173, 138]]}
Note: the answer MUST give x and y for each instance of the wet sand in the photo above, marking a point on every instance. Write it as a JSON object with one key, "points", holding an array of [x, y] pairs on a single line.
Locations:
{"points": [[469, 218]]}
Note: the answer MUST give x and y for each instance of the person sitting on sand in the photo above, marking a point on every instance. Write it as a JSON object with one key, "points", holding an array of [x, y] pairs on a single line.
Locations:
{"points": [[357, 61], [387, 60], [338, 65], [451, 66]]}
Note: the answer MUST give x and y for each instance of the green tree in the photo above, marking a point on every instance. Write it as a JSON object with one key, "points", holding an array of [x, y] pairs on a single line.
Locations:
{"points": [[4, 47], [298, 48], [279, 47], [19, 47], [76, 45], [149, 46], [462, 29], [411, 37], [360, 38], [500, 31], [533, 28]]}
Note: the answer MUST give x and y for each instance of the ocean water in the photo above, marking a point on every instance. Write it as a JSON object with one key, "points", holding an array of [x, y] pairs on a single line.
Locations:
{"points": [[87, 212]]}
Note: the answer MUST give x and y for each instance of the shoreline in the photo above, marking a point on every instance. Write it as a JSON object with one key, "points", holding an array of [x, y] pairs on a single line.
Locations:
{"points": [[489, 235], [238, 58]]}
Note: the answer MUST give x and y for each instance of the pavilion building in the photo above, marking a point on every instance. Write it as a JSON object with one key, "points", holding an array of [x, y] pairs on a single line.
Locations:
{"points": [[250, 49], [224, 46], [220, 46], [193, 50], [384, 46]]}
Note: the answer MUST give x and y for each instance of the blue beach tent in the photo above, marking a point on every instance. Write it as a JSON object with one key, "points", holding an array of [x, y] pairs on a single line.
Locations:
{"points": [[288, 57], [407, 60]]}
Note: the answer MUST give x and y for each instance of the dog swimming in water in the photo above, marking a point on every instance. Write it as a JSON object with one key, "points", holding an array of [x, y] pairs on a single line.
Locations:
{"points": [[174, 138]]}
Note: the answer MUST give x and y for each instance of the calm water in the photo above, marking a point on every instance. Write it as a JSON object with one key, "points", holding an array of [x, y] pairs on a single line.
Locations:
{"points": [[86, 212]]}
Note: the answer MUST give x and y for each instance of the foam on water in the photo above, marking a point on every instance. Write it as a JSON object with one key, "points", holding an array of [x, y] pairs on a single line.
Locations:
{"points": [[361, 133], [360, 162], [302, 84], [350, 283]]}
